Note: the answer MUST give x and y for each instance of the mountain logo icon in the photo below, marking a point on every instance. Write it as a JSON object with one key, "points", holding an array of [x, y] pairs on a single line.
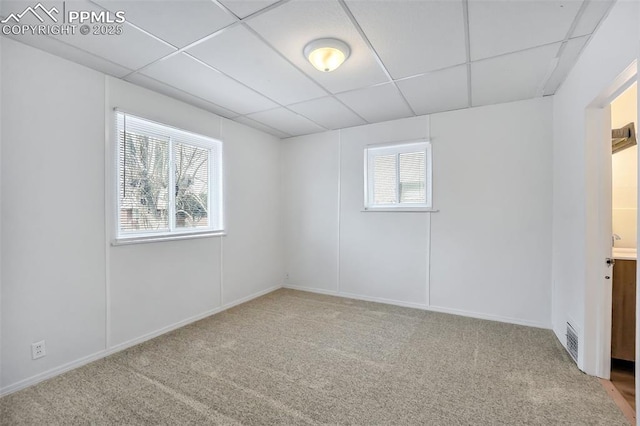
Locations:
{"points": [[34, 11]]}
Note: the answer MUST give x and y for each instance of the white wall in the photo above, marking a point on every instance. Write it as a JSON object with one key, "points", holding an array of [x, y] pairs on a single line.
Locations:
{"points": [[492, 237], [61, 279], [152, 286], [310, 210], [624, 179], [252, 250], [382, 255], [484, 254], [613, 48], [53, 251]]}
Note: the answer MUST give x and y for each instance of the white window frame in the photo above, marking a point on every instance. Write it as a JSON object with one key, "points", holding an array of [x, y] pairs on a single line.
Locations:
{"points": [[397, 148], [215, 192]]}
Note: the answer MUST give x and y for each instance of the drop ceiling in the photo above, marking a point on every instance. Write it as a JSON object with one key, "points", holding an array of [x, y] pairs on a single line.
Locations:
{"points": [[242, 59]]}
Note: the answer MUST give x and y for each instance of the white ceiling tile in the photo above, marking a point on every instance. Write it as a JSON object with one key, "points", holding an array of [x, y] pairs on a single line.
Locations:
{"points": [[186, 73], [568, 58], [257, 66], [328, 112], [286, 121], [520, 38], [413, 37], [594, 12], [156, 86], [72, 53], [259, 126], [177, 22], [437, 91], [244, 8], [379, 103], [497, 27], [291, 26], [132, 49], [511, 77]]}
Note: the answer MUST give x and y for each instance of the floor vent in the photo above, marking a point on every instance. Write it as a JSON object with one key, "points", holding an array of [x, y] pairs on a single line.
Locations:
{"points": [[572, 342]]}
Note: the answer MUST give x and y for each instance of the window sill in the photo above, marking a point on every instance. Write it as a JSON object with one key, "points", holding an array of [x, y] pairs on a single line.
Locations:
{"points": [[173, 237], [399, 209]]}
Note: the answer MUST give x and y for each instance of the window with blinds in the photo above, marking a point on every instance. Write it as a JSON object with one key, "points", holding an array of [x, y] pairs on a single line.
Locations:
{"points": [[169, 180], [398, 176]]}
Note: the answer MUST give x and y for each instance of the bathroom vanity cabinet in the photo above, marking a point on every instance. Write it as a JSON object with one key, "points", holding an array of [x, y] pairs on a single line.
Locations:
{"points": [[623, 317]]}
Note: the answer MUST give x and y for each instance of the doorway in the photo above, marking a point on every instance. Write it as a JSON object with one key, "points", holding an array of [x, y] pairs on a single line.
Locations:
{"points": [[624, 202], [595, 354]]}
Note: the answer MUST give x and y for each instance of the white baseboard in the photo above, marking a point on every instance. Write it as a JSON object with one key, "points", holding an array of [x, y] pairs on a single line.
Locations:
{"points": [[250, 297], [561, 335], [490, 317], [56, 371], [312, 290], [359, 297], [136, 341], [121, 346], [425, 307]]}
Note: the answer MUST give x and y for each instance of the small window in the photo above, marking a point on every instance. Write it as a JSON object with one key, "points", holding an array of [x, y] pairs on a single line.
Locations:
{"points": [[398, 176], [169, 181]]}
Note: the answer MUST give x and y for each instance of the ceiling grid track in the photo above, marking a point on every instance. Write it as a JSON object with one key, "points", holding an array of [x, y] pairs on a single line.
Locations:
{"points": [[574, 24], [84, 54], [277, 52], [257, 12], [568, 37], [555, 61], [102, 58], [237, 22], [229, 11], [184, 49], [132, 72], [467, 44], [187, 47], [288, 135], [142, 30], [377, 57], [255, 91], [193, 96]]}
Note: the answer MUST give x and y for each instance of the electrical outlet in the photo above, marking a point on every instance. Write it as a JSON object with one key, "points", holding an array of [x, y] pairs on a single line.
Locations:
{"points": [[38, 350]]}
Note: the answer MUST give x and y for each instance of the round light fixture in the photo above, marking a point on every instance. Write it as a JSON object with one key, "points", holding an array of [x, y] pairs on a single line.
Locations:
{"points": [[326, 54]]}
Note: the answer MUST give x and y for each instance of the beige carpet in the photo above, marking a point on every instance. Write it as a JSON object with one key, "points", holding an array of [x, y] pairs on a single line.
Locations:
{"points": [[298, 358]]}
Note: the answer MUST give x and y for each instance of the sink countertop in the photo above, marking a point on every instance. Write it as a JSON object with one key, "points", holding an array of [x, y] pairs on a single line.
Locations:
{"points": [[625, 253]]}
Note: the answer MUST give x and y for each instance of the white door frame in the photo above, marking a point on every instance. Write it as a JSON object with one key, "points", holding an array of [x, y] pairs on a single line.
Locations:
{"points": [[597, 321], [598, 121]]}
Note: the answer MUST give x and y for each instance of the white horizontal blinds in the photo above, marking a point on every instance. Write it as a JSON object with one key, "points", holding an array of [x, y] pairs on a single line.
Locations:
{"points": [[143, 178], [398, 175], [385, 179], [198, 179], [191, 186], [170, 180], [413, 171]]}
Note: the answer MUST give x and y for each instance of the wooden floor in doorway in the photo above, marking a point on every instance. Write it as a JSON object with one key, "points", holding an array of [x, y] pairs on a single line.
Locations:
{"points": [[621, 387], [623, 378]]}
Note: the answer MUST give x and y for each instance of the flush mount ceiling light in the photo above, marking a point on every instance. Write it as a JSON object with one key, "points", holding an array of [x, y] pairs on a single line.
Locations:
{"points": [[326, 54]]}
